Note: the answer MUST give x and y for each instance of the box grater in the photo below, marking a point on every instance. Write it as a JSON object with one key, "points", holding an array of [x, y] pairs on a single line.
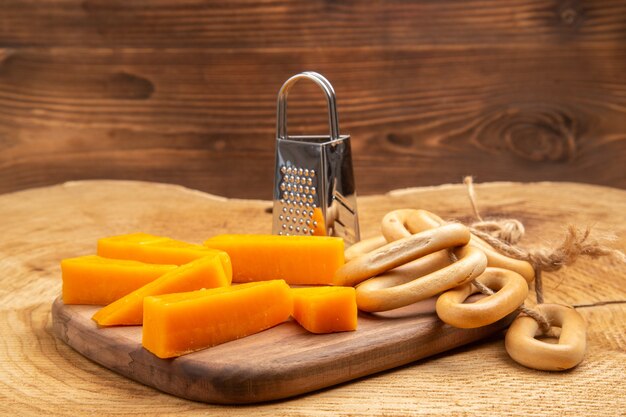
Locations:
{"points": [[314, 191]]}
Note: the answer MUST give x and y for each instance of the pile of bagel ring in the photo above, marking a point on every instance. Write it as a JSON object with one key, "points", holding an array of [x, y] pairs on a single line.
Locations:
{"points": [[420, 256]]}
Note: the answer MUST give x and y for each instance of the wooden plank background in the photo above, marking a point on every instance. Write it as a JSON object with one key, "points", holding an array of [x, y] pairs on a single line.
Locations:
{"points": [[184, 91]]}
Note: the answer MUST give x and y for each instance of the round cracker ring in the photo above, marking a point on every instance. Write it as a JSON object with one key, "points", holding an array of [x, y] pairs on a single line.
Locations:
{"points": [[412, 270], [388, 292], [525, 349], [498, 260], [401, 223], [400, 252], [510, 291], [364, 246], [368, 245], [404, 222]]}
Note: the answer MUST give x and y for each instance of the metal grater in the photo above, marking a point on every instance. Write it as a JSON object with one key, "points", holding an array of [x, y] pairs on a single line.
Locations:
{"points": [[314, 191]]}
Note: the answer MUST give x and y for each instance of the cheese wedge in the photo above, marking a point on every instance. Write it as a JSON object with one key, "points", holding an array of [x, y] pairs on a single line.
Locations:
{"points": [[151, 249], [208, 272], [325, 309], [100, 281], [296, 259], [177, 324]]}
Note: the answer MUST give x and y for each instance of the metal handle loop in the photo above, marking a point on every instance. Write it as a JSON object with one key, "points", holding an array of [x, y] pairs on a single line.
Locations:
{"points": [[281, 122]]}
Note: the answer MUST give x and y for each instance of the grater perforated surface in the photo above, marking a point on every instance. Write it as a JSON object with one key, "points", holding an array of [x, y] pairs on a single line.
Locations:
{"points": [[299, 203]]}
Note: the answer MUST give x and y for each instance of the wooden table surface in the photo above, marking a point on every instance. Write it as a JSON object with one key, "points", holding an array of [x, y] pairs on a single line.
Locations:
{"points": [[40, 375]]}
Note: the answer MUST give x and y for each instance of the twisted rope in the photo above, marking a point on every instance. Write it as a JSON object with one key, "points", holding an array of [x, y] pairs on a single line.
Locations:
{"points": [[503, 235]]}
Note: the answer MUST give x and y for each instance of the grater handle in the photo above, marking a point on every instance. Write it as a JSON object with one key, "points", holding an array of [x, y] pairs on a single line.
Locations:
{"points": [[327, 88]]}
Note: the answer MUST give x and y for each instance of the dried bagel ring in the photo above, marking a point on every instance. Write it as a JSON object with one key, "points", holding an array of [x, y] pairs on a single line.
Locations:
{"points": [[404, 222], [364, 246], [510, 289], [410, 271], [400, 252], [524, 349], [498, 260], [401, 223], [368, 245], [373, 294]]}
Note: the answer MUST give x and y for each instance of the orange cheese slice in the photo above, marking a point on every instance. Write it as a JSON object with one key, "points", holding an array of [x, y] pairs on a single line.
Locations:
{"points": [[151, 249], [325, 309], [177, 324], [96, 280], [208, 272], [296, 259]]}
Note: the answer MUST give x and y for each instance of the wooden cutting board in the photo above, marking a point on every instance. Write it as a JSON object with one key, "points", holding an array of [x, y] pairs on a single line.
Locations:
{"points": [[281, 362]]}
